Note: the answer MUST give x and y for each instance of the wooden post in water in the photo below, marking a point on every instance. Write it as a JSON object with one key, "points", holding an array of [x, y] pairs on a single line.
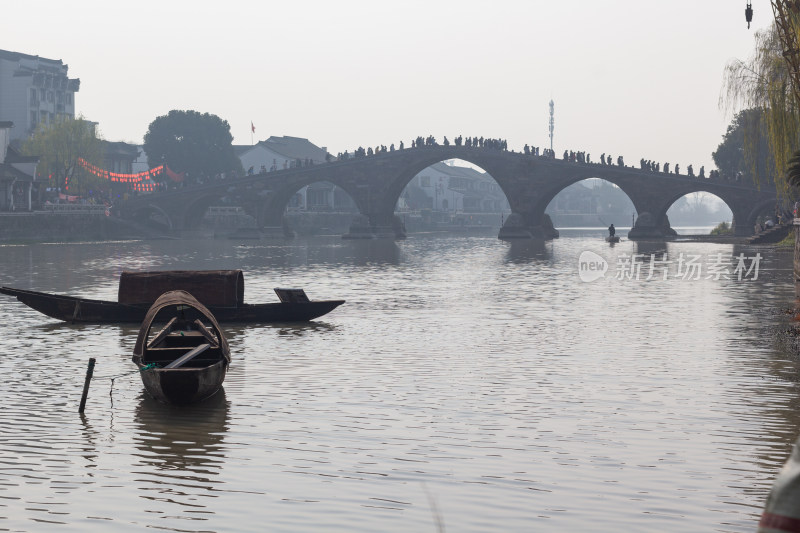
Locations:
{"points": [[89, 372]]}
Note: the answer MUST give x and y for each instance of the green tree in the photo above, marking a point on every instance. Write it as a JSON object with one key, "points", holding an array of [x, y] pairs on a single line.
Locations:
{"points": [[59, 146], [765, 82], [745, 148], [191, 142]]}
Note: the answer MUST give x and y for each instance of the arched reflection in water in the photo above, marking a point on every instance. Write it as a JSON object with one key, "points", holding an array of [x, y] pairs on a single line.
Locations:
{"points": [[266, 258], [361, 252], [527, 250]]}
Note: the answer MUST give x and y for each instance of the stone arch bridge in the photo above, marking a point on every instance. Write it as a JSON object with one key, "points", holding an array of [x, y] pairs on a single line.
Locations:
{"points": [[376, 182]]}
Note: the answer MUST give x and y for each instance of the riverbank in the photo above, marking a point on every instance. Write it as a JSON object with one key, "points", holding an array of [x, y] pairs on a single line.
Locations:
{"points": [[40, 226]]}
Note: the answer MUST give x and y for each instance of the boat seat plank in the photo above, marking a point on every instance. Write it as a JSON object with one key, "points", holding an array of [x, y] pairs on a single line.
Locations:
{"points": [[188, 356], [205, 333], [163, 333]]}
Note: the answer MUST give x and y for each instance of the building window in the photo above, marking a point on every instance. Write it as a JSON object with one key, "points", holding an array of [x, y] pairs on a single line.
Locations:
{"points": [[42, 95], [69, 98], [49, 96], [34, 119]]}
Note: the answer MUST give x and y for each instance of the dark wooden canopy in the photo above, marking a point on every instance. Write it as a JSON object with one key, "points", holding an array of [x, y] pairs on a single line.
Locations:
{"points": [[213, 288]]}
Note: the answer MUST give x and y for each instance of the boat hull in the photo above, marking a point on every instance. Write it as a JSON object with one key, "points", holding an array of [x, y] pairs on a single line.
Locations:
{"points": [[612, 239], [182, 385], [72, 309]]}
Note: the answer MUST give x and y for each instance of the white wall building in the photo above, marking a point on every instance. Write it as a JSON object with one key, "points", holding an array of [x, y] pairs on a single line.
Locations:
{"points": [[279, 153], [445, 187], [34, 89]]}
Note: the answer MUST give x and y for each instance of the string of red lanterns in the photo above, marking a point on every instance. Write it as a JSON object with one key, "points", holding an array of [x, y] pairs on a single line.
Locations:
{"points": [[119, 177]]}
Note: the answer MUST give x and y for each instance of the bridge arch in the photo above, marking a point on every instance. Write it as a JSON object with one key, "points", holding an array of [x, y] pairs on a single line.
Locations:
{"points": [[738, 211], [453, 185], [403, 178], [152, 213], [195, 210], [697, 209], [272, 209], [594, 205]]}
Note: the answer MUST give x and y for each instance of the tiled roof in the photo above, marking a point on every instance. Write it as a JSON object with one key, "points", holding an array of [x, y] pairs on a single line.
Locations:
{"points": [[16, 56], [8, 172], [13, 156], [294, 148]]}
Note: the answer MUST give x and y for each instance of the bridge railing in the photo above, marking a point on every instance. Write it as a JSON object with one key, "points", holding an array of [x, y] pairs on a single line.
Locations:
{"points": [[79, 209]]}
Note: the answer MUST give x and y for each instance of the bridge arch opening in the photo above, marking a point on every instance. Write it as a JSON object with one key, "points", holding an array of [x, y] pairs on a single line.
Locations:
{"points": [[455, 195], [302, 205], [154, 217], [698, 213], [591, 203], [319, 207]]}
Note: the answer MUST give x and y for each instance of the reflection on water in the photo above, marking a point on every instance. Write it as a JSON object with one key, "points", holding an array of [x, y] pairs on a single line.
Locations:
{"points": [[185, 439], [479, 375], [527, 250]]}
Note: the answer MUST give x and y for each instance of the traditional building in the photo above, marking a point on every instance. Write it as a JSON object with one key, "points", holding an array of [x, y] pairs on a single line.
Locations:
{"points": [[33, 90], [17, 174], [279, 153], [120, 157]]}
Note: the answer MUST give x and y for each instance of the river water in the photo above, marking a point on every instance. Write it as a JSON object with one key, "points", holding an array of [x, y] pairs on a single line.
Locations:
{"points": [[467, 385]]}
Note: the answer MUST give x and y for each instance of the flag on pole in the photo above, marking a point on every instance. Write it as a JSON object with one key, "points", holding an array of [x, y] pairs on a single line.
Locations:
{"points": [[252, 127]]}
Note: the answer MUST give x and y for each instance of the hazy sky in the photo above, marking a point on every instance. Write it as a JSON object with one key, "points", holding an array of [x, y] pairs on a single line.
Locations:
{"points": [[638, 78]]}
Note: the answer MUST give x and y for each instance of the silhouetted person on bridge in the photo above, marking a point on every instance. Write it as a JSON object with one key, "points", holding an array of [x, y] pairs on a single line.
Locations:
{"points": [[611, 230]]}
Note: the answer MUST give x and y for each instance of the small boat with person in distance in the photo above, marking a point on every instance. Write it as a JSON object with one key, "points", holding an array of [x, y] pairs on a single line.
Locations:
{"points": [[612, 234]]}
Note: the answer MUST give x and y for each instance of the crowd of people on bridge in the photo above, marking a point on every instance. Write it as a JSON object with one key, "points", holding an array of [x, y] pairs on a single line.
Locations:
{"points": [[652, 166], [423, 142], [644, 164]]}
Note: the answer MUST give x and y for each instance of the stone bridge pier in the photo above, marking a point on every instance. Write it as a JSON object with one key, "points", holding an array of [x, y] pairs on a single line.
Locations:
{"points": [[528, 226]]}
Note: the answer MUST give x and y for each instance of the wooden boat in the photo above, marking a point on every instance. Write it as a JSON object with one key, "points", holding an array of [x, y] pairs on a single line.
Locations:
{"points": [[186, 361], [221, 291], [612, 238]]}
